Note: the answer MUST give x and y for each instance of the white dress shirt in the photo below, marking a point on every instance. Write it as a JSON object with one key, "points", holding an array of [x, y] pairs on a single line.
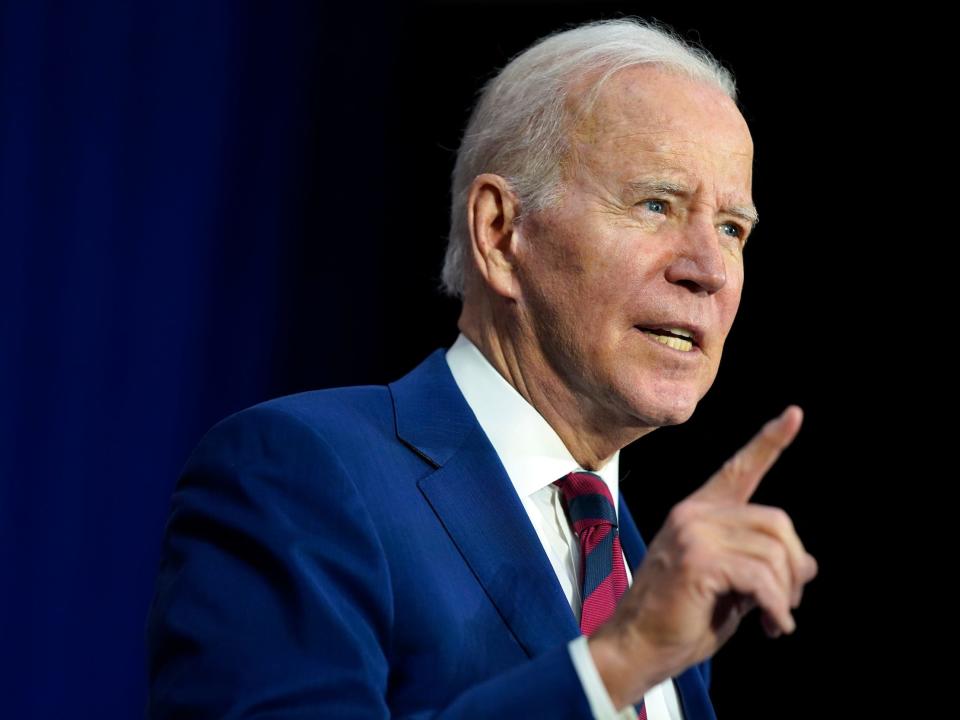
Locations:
{"points": [[534, 456]]}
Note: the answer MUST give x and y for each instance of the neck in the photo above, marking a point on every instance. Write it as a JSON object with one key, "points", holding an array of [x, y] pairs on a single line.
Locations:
{"points": [[589, 432]]}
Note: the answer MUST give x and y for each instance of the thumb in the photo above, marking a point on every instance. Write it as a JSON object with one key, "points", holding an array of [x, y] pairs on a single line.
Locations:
{"points": [[740, 476]]}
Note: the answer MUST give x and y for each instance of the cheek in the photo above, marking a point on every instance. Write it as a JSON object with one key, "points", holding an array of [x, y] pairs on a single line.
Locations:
{"points": [[573, 276], [545, 306], [728, 309], [553, 278]]}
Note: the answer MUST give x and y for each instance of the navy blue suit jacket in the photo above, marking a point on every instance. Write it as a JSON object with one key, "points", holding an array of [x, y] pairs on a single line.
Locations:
{"points": [[359, 553]]}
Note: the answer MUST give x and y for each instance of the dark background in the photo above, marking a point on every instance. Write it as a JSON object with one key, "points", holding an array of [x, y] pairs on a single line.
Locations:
{"points": [[207, 204]]}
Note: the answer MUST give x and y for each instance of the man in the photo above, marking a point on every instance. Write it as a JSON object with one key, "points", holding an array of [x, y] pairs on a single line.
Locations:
{"points": [[422, 549]]}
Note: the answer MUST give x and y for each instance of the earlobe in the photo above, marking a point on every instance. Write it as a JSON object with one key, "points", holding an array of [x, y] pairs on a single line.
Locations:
{"points": [[492, 209]]}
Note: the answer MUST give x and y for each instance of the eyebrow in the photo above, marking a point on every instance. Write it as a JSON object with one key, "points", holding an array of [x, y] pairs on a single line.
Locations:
{"points": [[747, 213]]}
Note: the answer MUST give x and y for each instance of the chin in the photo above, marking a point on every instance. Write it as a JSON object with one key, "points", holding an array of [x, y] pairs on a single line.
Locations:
{"points": [[668, 407], [670, 416]]}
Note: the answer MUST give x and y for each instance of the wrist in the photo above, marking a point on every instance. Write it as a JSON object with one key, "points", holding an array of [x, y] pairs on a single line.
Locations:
{"points": [[627, 674]]}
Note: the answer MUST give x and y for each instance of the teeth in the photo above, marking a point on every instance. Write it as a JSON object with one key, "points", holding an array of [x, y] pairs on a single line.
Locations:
{"points": [[681, 331], [672, 342]]}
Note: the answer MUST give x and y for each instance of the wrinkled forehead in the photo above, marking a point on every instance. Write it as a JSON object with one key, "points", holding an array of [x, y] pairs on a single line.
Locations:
{"points": [[646, 118]]}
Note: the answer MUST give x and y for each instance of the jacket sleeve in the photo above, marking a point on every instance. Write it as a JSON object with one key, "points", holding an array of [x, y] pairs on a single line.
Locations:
{"points": [[273, 598]]}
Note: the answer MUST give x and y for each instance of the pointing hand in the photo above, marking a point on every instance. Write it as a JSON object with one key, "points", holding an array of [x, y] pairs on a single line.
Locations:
{"points": [[716, 557]]}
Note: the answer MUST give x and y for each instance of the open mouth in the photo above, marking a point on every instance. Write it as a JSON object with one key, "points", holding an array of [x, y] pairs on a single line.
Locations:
{"points": [[676, 338]]}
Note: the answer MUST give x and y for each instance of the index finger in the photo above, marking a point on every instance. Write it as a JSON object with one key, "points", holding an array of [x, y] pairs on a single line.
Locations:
{"points": [[739, 477]]}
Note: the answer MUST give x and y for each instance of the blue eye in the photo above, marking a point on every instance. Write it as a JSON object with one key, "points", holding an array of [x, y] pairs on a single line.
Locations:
{"points": [[732, 230], [657, 206]]}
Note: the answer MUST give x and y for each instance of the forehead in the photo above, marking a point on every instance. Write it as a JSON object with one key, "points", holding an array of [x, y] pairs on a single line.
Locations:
{"points": [[648, 118]]}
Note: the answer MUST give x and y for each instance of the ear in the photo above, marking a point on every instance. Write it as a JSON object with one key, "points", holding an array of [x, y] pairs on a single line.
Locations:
{"points": [[492, 209]]}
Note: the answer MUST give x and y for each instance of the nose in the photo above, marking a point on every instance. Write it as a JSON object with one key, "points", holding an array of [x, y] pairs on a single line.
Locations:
{"points": [[698, 263]]}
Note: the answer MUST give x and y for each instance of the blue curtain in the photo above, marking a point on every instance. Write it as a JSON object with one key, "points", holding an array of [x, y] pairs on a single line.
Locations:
{"points": [[152, 165]]}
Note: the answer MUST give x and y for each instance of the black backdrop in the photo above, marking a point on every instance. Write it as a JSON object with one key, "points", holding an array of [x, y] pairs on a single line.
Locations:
{"points": [[206, 204]]}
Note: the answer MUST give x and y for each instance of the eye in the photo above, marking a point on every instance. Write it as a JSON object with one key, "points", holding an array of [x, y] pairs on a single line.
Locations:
{"points": [[733, 230], [655, 206]]}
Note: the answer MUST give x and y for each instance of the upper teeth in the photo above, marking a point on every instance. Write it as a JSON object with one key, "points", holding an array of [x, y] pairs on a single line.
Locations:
{"points": [[681, 331]]}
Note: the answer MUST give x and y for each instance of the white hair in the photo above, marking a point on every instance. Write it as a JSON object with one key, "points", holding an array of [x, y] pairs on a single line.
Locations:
{"points": [[519, 127]]}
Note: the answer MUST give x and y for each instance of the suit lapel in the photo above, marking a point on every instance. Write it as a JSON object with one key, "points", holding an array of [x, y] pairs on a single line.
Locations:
{"points": [[633, 546], [478, 506]]}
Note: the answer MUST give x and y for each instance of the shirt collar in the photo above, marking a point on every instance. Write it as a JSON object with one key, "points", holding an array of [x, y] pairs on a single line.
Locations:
{"points": [[529, 448]]}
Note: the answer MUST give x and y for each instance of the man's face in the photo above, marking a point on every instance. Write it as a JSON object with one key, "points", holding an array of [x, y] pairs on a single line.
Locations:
{"points": [[646, 241]]}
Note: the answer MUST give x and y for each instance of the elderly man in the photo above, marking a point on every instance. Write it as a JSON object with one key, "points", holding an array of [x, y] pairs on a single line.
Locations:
{"points": [[455, 544]]}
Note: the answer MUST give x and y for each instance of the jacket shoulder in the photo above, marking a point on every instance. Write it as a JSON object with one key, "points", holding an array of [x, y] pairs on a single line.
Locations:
{"points": [[332, 408]]}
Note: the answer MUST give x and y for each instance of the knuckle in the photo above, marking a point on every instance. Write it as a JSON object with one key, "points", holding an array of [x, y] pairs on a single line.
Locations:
{"points": [[766, 579], [784, 568], [677, 515], [769, 435], [781, 520], [777, 556], [683, 513], [688, 540], [778, 560], [734, 465], [781, 555], [769, 593], [772, 550]]}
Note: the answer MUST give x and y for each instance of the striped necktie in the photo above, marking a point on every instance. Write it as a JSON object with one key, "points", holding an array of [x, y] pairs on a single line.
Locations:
{"points": [[594, 520]]}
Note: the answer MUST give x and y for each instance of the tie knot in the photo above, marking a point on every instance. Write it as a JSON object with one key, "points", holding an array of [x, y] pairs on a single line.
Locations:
{"points": [[587, 499]]}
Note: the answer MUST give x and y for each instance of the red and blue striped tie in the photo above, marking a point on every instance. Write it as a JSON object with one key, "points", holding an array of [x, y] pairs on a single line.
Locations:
{"points": [[594, 520]]}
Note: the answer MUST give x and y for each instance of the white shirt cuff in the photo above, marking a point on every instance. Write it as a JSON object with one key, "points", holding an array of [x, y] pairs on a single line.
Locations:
{"points": [[597, 696]]}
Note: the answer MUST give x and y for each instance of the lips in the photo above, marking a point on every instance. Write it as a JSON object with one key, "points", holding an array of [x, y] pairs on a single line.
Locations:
{"points": [[679, 331]]}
